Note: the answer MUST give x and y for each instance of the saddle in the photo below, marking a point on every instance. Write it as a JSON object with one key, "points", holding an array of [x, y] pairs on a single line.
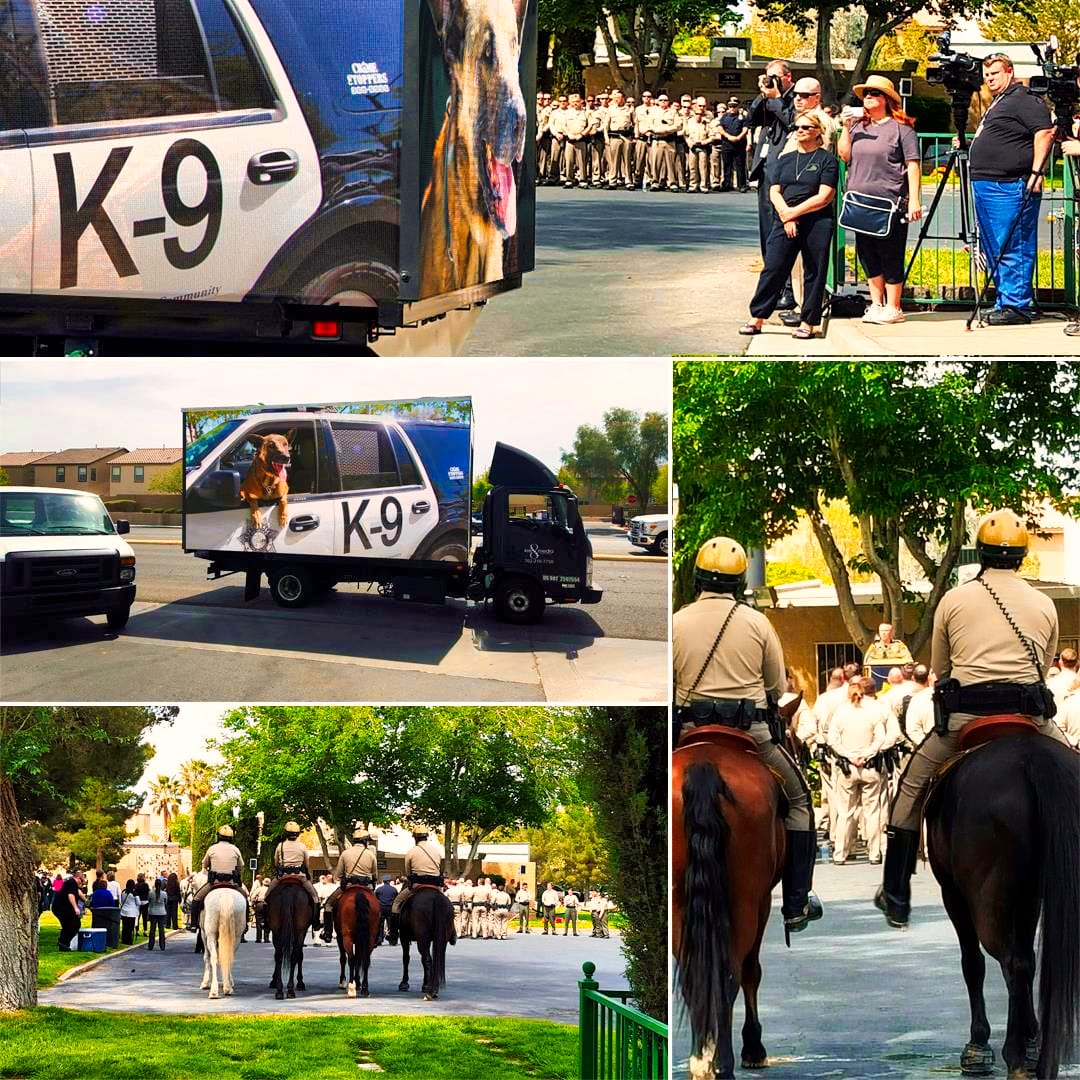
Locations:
{"points": [[718, 735], [417, 888], [225, 885]]}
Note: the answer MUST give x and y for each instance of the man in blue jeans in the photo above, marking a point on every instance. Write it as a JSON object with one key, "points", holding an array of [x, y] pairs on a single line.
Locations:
{"points": [[1009, 151]]}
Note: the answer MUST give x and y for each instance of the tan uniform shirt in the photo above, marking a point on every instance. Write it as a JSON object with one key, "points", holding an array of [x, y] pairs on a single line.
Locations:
{"points": [[825, 707], [549, 898], [975, 644], [290, 853], [858, 731], [359, 860], [575, 123], [665, 121], [895, 652], [522, 897], [619, 118], [543, 118], [258, 892], [557, 121], [747, 663], [643, 116], [453, 893], [696, 130], [223, 858], [920, 715], [481, 894], [1068, 717], [596, 120], [501, 899], [423, 859]]}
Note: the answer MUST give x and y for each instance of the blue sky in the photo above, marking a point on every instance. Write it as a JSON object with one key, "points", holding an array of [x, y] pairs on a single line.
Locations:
{"points": [[536, 405]]}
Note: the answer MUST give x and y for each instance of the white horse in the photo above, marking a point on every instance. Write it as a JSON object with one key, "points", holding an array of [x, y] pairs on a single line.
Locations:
{"points": [[224, 919]]}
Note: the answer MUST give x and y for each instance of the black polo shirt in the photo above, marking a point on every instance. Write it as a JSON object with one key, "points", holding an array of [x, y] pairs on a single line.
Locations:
{"points": [[1003, 146], [801, 175], [734, 123]]}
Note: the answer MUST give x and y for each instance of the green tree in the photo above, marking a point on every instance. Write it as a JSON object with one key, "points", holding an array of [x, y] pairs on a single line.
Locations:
{"points": [[629, 450], [1035, 20], [169, 482], [568, 848], [907, 445], [4, 481], [96, 833], [180, 830], [209, 816], [623, 761], [196, 783], [165, 795], [480, 487], [46, 756]]}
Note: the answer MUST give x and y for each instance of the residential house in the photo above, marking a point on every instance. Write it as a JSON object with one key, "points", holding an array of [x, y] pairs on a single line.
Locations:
{"points": [[81, 469], [19, 465], [131, 473]]}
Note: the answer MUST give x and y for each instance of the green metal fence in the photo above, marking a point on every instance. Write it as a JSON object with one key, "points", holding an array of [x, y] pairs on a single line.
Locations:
{"points": [[941, 274], [615, 1040]]}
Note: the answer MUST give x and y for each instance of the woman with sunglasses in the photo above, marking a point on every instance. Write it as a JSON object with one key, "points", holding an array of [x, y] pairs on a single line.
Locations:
{"points": [[882, 153], [802, 190]]}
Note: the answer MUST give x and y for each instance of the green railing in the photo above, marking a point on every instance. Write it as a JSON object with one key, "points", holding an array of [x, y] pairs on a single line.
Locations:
{"points": [[615, 1040], [941, 274]]}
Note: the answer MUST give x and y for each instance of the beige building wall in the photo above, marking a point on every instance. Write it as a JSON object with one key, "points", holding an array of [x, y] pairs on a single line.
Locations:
{"points": [[97, 476], [127, 485]]}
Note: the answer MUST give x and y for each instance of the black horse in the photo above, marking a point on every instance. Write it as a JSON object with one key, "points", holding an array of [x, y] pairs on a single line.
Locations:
{"points": [[1003, 830], [428, 919], [289, 913]]}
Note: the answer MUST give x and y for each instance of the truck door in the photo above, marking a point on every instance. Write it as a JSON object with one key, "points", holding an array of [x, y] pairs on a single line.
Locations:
{"points": [[542, 536], [386, 503], [217, 519], [175, 160]]}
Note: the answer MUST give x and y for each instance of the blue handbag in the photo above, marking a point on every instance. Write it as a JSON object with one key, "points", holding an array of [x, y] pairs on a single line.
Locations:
{"points": [[871, 215]]}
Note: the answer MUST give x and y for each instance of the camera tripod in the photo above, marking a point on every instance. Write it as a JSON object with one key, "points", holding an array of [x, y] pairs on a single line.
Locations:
{"points": [[957, 162]]}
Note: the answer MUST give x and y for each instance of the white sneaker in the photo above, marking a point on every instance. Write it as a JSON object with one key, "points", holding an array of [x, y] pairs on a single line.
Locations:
{"points": [[873, 313], [890, 315]]}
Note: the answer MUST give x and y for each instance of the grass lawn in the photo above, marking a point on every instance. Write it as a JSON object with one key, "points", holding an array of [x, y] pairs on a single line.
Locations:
{"points": [[59, 1044], [51, 962]]}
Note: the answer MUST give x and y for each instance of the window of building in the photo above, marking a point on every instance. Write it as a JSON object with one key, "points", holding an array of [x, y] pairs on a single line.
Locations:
{"points": [[93, 474], [114, 474], [61, 472], [82, 474], [139, 471], [833, 655]]}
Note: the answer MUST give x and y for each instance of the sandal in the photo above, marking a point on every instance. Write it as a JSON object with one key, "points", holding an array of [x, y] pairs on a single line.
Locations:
{"points": [[802, 334], [749, 329]]}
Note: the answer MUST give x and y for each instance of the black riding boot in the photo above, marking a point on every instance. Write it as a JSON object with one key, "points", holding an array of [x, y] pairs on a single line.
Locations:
{"points": [[800, 905], [894, 896], [327, 926], [193, 915], [392, 931], [787, 298], [316, 918]]}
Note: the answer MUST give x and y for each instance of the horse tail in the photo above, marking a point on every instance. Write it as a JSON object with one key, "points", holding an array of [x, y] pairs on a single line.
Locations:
{"points": [[705, 978], [226, 940], [287, 900], [441, 929], [1053, 776]]}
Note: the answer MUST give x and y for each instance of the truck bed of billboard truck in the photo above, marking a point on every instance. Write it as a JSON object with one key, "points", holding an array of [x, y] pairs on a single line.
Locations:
{"points": [[244, 170], [381, 492]]}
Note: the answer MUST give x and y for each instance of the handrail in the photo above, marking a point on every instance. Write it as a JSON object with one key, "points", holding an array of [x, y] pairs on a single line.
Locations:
{"points": [[615, 1040]]}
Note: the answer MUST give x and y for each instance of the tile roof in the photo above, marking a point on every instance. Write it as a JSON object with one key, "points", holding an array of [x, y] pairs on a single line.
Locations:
{"points": [[23, 457], [85, 456], [150, 456]]}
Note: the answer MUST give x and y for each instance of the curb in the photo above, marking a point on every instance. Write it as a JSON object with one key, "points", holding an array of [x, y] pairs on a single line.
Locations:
{"points": [[72, 972]]}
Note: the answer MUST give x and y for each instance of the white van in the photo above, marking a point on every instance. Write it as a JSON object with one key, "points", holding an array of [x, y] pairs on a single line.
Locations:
{"points": [[61, 555]]}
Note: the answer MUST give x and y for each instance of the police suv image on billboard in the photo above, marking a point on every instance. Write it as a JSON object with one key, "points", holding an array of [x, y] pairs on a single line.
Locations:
{"points": [[377, 480], [222, 160]]}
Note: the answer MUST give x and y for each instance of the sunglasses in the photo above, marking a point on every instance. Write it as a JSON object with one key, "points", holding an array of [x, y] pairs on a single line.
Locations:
{"points": [[807, 93], [872, 93], [806, 127]]}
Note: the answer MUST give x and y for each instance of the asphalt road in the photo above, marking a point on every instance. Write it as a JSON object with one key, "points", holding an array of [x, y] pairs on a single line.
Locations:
{"points": [[625, 273], [189, 639], [524, 976], [853, 998]]}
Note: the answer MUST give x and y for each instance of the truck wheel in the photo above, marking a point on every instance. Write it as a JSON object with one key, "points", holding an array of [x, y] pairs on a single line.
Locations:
{"points": [[451, 551], [117, 618], [660, 544], [351, 284], [292, 586], [519, 600]]}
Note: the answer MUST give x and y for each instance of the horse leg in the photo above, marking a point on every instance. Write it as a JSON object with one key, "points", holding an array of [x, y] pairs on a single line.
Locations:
{"points": [[351, 992], [275, 982], [342, 957], [206, 971], [429, 989], [365, 964], [299, 965], [753, 1050], [1018, 966], [404, 984], [977, 1058]]}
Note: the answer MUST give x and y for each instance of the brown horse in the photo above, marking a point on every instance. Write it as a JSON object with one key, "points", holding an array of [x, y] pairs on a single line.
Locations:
{"points": [[728, 854], [356, 920], [288, 916]]}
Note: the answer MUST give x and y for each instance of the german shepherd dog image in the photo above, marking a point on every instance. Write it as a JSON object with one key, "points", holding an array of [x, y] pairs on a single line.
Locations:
{"points": [[267, 478], [470, 204]]}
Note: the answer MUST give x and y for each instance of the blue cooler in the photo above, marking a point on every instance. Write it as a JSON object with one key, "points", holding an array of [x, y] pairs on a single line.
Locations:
{"points": [[92, 940]]}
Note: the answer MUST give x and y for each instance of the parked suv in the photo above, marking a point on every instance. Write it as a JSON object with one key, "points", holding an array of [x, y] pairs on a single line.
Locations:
{"points": [[61, 555], [650, 531]]}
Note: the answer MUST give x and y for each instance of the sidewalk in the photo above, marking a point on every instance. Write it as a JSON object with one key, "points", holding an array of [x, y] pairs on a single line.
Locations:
{"points": [[924, 333]]}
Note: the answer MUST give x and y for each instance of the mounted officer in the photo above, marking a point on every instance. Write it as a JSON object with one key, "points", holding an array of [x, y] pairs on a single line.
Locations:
{"points": [[729, 669], [357, 865], [222, 862], [423, 866], [291, 858], [994, 639]]}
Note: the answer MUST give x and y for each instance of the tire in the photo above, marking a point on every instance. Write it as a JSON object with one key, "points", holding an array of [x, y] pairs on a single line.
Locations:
{"points": [[292, 586], [449, 551], [660, 545], [350, 284], [519, 600], [117, 618]]}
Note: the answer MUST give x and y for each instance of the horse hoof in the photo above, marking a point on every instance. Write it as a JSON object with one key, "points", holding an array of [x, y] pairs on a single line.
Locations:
{"points": [[1031, 1055], [351, 992], [403, 986], [301, 985], [427, 997], [280, 996], [365, 993], [290, 993], [341, 984], [755, 1063], [204, 985], [977, 1060], [1019, 1074], [213, 994]]}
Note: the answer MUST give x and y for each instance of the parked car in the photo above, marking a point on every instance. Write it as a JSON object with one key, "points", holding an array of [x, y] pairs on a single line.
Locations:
{"points": [[61, 555], [650, 531]]}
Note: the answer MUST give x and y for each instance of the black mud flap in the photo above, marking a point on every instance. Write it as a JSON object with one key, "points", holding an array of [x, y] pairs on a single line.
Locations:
{"points": [[592, 596], [252, 585]]}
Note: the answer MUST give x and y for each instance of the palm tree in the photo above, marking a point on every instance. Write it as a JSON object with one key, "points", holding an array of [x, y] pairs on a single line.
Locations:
{"points": [[165, 795], [195, 784]]}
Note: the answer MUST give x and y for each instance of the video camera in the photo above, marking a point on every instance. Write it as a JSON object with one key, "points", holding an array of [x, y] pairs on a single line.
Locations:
{"points": [[960, 73], [1057, 82]]}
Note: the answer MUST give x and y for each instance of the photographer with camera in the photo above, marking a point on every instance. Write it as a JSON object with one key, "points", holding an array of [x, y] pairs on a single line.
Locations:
{"points": [[1009, 151]]}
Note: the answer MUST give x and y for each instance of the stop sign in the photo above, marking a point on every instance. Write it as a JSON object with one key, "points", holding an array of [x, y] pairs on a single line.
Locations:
{"points": [[632, 499]]}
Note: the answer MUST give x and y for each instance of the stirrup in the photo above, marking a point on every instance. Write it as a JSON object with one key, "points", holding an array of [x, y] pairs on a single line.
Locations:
{"points": [[796, 924]]}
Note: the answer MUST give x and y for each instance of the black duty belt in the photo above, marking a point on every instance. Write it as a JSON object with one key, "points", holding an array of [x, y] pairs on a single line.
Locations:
{"points": [[357, 880], [290, 870], [731, 712]]}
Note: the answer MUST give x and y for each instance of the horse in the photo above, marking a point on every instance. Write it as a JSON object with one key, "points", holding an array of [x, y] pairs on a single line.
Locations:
{"points": [[728, 855], [1003, 837], [428, 919], [356, 919], [224, 919], [288, 915]]}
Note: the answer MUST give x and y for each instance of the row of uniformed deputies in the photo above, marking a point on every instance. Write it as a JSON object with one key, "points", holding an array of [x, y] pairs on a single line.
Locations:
{"points": [[481, 910], [609, 141]]}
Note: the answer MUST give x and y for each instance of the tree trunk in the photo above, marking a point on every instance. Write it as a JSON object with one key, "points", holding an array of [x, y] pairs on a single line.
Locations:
{"points": [[823, 50], [322, 841], [18, 917]]}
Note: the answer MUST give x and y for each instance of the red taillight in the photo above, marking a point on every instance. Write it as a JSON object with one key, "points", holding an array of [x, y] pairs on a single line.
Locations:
{"points": [[326, 329]]}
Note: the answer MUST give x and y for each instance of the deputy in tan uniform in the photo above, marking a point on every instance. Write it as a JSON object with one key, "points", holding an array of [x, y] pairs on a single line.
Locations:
{"points": [[595, 139], [618, 133], [834, 695], [423, 866], [222, 862], [664, 125], [481, 899], [358, 864], [696, 134], [291, 858], [524, 903], [500, 912], [544, 109], [453, 894], [575, 127], [570, 901], [728, 666], [982, 669], [557, 131], [643, 115], [886, 650], [255, 900], [467, 889]]}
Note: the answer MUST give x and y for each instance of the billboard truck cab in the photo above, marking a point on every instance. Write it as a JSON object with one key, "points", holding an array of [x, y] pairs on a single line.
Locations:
{"points": [[252, 170], [313, 495]]}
